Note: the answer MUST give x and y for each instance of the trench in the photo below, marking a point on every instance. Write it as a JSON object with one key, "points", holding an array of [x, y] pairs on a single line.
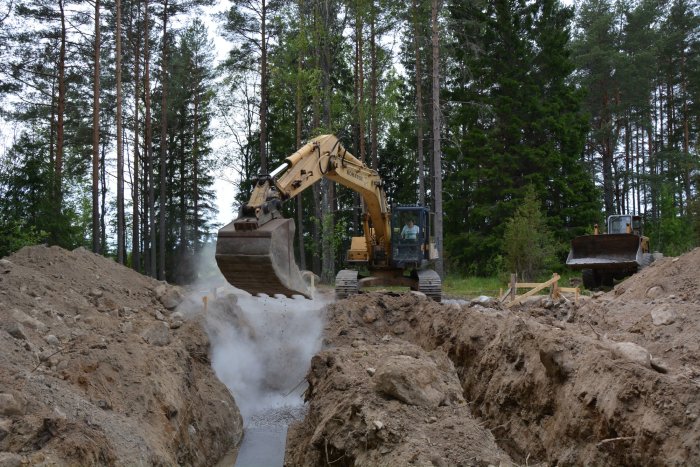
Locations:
{"points": [[261, 348], [265, 435]]}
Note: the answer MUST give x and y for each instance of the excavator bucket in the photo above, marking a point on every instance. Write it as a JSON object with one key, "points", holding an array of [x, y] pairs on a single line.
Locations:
{"points": [[608, 251], [261, 260]]}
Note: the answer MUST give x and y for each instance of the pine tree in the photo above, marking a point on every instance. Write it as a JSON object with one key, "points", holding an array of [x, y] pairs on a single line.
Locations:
{"points": [[528, 245], [517, 119], [597, 57], [192, 204]]}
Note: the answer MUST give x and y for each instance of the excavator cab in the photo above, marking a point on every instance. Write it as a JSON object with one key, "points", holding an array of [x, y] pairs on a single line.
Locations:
{"points": [[410, 234], [625, 224]]}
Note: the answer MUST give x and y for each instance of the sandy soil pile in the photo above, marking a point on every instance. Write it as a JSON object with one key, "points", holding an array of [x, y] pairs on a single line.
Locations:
{"points": [[96, 369], [610, 380]]}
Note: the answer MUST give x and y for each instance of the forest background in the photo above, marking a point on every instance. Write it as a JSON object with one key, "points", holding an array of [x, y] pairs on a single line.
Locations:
{"points": [[121, 120]]}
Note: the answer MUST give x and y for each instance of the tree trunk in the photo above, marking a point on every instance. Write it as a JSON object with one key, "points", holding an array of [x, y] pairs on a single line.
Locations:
{"points": [[437, 154], [263, 89], [58, 167], [181, 270], [316, 124], [374, 157], [686, 132], [163, 144], [120, 142], [327, 221], [626, 178], [419, 108], [96, 136], [359, 33], [150, 234], [607, 156], [298, 130], [103, 177], [195, 176], [52, 131], [357, 206], [135, 234]]}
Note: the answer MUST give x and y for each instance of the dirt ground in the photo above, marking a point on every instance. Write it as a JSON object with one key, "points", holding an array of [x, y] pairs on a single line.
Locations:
{"points": [[96, 368], [610, 380]]}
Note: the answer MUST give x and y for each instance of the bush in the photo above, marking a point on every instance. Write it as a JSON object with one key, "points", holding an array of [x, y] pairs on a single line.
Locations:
{"points": [[528, 245], [14, 235]]}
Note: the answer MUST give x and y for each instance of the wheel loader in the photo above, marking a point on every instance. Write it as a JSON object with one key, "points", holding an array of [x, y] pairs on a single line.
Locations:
{"points": [[255, 251], [603, 257]]}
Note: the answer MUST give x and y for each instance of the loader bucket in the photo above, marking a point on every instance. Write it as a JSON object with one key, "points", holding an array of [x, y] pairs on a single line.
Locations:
{"points": [[261, 260], [607, 251]]}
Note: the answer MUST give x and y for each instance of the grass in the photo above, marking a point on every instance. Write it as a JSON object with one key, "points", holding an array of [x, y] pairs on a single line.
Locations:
{"points": [[473, 286], [470, 287]]}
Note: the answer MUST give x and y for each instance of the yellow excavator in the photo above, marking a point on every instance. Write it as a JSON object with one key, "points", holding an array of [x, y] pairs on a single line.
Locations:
{"points": [[255, 252]]}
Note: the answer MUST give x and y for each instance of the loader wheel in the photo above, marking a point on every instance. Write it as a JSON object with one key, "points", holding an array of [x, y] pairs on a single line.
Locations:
{"points": [[590, 279], [607, 278]]}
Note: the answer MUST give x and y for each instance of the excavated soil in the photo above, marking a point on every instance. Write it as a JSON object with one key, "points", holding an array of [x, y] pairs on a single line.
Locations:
{"points": [[610, 380], [95, 368]]}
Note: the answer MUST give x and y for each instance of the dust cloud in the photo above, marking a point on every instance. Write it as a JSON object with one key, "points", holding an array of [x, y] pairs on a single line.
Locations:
{"points": [[261, 347]]}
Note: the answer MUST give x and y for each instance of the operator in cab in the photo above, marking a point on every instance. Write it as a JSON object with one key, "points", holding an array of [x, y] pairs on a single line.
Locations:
{"points": [[409, 231]]}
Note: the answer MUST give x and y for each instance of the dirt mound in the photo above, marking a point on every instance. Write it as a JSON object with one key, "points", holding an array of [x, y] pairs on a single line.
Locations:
{"points": [[96, 369], [666, 277], [659, 309], [409, 409], [548, 386]]}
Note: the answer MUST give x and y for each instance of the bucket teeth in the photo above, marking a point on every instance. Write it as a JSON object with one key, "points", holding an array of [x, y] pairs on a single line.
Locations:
{"points": [[261, 261]]}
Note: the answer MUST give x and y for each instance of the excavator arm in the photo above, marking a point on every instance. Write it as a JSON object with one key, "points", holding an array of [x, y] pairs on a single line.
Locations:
{"points": [[255, 252]]}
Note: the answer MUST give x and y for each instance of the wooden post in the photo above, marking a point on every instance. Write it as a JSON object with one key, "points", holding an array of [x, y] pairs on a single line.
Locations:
{"points": [[513, 286], [554, 291], [532, 292]]}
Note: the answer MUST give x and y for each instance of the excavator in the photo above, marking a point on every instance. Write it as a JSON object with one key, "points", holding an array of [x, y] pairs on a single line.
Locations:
{"points": [[255, 251]]}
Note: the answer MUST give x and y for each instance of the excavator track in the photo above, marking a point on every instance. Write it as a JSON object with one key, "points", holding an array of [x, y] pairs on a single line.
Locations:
{"points": [[430, 284], [346, 284]]}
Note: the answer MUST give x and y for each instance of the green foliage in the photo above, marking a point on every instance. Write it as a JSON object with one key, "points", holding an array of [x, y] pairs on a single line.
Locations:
{"points": [[334, 229], [14, 235], [528, 245], [694, 214], [672, 234], [517, 122], [190, 176], [25, 178]]}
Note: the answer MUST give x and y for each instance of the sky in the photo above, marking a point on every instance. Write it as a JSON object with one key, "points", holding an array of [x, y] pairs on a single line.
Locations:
{"points": [[224, 189]]}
